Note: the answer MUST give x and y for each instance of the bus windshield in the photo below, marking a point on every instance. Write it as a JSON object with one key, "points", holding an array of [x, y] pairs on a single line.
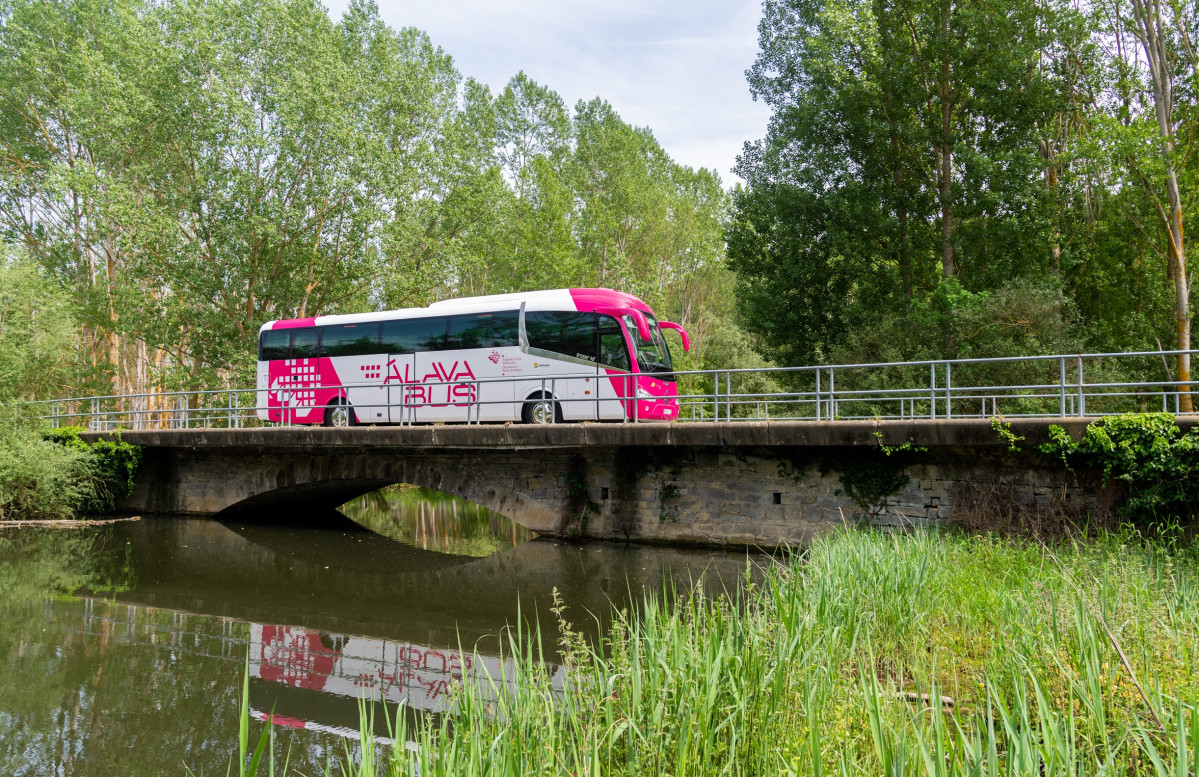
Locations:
{"points": [[652, 355]]}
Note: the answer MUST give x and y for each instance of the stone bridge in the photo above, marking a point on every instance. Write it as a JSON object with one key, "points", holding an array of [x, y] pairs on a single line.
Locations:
{"points": [[729, 483]]}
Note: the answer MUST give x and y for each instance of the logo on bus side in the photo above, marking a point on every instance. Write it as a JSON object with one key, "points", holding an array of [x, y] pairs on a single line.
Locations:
{"points": [[454, 392]]}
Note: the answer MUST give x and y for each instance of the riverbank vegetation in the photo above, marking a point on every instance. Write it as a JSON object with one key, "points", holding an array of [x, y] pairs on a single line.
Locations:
{"points": [[52, 475], [867, 653]]}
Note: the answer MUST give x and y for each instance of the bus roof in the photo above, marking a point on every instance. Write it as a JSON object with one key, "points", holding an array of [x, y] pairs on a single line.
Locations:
{"points": [[553, 299]]}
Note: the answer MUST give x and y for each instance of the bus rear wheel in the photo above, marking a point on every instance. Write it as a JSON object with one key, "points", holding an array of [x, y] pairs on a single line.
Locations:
{"points": [[541, 410], [340, 414]]}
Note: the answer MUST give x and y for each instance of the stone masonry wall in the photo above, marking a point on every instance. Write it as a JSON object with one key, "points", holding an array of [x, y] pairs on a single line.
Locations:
{"points": [[761, 499], [744, 496]]}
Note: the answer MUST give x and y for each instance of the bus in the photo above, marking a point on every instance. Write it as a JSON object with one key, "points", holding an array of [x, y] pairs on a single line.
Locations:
{"points": [[533, 357]]}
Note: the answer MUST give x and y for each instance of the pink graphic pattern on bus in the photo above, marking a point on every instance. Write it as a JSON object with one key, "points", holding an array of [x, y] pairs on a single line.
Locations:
{"points": [[294, 384]]}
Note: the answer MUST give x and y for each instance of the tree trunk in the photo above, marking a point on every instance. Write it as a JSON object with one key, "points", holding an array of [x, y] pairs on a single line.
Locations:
{"points": [[945, 176], [1149, 26], [1055, 234]]}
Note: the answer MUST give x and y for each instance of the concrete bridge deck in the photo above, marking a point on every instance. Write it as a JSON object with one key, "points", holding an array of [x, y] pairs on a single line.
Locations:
{"points": [[974, 432]]}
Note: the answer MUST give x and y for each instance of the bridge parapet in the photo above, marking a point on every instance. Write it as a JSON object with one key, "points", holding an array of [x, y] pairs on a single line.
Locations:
{"points": [[1078, 385]]}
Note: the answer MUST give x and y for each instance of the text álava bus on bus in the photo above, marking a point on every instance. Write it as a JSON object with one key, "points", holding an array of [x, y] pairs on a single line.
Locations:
{"points": [[537, 357]]}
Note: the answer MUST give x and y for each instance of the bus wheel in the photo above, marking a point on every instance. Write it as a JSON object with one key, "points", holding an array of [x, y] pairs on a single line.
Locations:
{"points": [[340, 414], [541, 410]]}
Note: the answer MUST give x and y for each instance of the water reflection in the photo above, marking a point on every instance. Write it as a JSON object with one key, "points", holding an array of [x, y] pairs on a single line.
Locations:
{"points": [[431, 520], [142, 666], [314, 681]]}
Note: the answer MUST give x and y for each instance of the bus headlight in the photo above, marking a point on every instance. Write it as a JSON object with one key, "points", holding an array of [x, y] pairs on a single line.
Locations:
{"points": [[643, 394]]}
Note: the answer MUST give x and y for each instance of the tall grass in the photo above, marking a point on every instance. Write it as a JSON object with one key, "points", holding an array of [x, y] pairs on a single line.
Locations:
{"points": [[919, 654]]}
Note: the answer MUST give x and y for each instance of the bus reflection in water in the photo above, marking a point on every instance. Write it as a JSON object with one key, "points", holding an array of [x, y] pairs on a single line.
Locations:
{"points": [[311, 680], [535, 357]]}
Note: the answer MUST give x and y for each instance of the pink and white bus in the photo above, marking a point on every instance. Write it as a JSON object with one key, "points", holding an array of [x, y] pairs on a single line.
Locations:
{"points": [[536, 357]]}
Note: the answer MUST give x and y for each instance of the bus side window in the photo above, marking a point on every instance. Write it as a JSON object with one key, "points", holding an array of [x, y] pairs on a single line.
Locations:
{"points": [[304, 342], [484, 330], [570, 334], [275, 344], [410, 335], [613, 351], [349, 339]]}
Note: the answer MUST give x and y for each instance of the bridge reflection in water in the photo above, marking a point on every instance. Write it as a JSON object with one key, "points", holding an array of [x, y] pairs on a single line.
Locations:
{"points": [[329, 617]]}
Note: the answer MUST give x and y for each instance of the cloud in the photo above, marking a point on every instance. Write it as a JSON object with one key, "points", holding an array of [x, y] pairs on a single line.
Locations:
{"points": [[676, 67]]}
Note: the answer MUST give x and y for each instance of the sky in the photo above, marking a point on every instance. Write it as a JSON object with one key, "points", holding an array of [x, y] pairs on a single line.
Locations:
{"points": [[674, 66]]}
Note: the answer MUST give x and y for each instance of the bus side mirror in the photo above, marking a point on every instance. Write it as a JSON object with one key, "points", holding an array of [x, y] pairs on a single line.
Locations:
{"points": [[682, 332]]}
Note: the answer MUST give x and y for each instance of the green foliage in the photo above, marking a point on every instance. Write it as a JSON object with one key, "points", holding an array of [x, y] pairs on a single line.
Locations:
{"points": [[37, 332], [579, 504], [668, 502], [190, 170], [870, 476], [112, 465], [1004, 430], [436, 521], [1157, 461], [906, 202], [40, 480]]}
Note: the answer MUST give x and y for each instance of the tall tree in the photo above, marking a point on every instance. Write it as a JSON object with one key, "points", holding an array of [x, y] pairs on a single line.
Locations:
{"points": [[903, 147], [1164, 32]]}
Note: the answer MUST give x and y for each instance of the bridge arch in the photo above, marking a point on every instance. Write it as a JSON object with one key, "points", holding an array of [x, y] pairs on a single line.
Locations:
{"points": [[292, 484]]}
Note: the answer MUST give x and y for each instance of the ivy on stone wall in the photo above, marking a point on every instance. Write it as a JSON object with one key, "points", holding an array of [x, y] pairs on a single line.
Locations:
{"points": [[870, 475], [1149, 452]]}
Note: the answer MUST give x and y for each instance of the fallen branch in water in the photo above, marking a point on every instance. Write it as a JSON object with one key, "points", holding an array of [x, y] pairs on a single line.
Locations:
{"points": [[923, 697], [68, 523]]}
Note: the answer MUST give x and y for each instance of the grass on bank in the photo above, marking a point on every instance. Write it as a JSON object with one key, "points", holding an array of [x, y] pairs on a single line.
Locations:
{"points": [[924, 654]]}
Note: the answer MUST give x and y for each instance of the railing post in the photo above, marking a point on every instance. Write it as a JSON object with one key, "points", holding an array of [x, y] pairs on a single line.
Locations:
{"points": [[728, 395], [1062, 385], [832, 394], [715, 396], [932, 390], [1082, 399], [948, 390], [818, 400]]}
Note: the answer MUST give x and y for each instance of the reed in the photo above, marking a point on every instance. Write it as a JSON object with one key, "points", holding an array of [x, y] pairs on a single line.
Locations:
{"points": [[916, 654]]}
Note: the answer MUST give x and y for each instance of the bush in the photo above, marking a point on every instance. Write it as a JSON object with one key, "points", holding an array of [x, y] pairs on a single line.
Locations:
{"points": [[40, 480], [112, 466]]}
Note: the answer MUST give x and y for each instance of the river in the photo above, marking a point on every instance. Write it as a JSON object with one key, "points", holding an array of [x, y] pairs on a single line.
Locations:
{"points": [[124, 647]]}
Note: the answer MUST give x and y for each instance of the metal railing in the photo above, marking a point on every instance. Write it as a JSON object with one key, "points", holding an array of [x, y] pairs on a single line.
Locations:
{"points": [[1034, 386]]}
